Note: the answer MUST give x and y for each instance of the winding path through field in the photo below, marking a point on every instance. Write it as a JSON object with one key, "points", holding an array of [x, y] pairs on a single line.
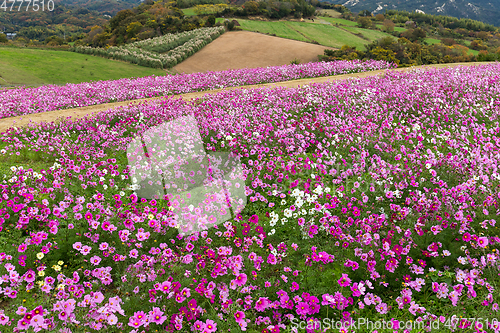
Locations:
{"points": [[51, 116]]}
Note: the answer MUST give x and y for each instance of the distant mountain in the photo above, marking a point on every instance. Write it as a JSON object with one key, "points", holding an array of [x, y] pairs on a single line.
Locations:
{"points": [[487, 11]]}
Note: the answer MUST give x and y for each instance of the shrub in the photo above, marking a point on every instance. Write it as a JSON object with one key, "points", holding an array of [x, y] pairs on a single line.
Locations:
{"points": [[160, 52], [211, 21], [3, 38], [448, 41], [364, 22], [388, 26]]}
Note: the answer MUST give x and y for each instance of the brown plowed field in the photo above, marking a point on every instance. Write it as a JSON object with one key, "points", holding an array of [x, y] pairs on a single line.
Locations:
{"points": [[245, 49], [81, 112]]}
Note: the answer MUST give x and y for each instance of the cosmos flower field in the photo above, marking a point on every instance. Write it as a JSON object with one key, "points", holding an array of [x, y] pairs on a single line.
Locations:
{"points": [[24, 101], [367, 198]]}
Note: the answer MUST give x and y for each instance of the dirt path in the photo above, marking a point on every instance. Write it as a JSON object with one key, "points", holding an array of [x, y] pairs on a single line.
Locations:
{"points": [[81, 112]]}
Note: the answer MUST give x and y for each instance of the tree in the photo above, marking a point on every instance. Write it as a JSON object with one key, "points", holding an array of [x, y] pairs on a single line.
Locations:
{"points": [[388, 26], [380, 17], [133, 29], [54, 40], [414, 34], [252, 7], [463, 50], [365, 13], [448, 41], [90, 39], [482, 35], [419, 33], [119, 17], [478, 45], [3, 38], [382, 54], [364, 22], [211, 21], [386, 42]]}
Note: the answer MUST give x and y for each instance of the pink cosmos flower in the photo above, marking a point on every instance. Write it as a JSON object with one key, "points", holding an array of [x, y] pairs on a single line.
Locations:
{"points": [[85, 250], [199, 325], [210, 326], [482, 242], [63, 315], [241, 279], [29, 276], [239, 316], [112, 319], [271, 259], [133, 322], [344, 281], [261, 304], [140, 316], [22, 324], [95, 260]]}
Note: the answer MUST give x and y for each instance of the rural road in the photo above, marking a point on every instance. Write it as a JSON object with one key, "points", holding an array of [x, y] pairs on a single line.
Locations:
{"points": [[76, 113]]}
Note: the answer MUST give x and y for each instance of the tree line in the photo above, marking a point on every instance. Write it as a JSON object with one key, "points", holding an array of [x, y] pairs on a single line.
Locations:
{"points": [[149, 19], [406, 53], [272, 9]]}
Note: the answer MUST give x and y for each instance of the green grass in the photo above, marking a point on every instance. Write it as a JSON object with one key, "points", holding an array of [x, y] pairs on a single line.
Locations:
{"points": [[372, 35], [474, 52], [432, 41], [280, 29], [397, 29], [326, 35], [330, 12], [471, 51], [340, 21], [189, 11], [33, 67], [329, 35]]}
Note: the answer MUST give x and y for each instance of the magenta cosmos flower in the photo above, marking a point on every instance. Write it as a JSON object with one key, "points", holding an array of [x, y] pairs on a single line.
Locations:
{"points": [[344, 281], [241, 279]]}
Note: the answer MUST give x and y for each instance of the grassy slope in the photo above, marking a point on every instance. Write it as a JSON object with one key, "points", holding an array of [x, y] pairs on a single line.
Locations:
{"points": [[189, 11], [432, 41], [324, 34], [329, 35], [37, 66], [329, 12], [280, 29], [372, 35], [474, 52], [340, 21]]}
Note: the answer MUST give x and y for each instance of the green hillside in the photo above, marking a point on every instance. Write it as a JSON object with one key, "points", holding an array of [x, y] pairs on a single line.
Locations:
{"points": [[33, 67], [325, 31]]}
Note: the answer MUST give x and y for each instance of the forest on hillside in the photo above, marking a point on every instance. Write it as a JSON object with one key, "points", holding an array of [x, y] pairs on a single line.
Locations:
{"points": [[107, 7]]}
